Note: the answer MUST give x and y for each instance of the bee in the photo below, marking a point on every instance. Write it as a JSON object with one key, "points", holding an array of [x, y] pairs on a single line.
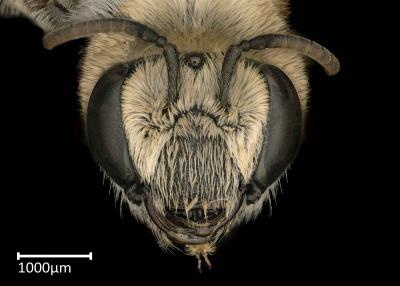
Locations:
{"points": [[194, 110]]}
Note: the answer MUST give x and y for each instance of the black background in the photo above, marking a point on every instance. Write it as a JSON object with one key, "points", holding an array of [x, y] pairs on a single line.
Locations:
{"points": [[59, 204]]}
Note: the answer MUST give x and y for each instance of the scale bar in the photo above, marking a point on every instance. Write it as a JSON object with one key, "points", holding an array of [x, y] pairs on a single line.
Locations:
{"points": [[88, 256]]}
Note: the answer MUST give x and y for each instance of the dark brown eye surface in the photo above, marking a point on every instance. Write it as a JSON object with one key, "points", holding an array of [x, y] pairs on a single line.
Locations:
{"points": [[195, 60]]}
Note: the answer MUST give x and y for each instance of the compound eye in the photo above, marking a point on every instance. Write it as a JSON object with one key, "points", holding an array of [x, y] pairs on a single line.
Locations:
{"points": [[195, 60]]}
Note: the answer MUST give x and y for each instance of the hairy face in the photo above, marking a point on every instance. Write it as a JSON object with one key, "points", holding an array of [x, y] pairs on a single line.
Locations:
{"points": [[194, 155], [193, 109]]}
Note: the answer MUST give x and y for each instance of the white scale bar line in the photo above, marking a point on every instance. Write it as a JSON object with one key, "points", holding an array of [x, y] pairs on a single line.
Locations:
{"points": [[88, 256]]}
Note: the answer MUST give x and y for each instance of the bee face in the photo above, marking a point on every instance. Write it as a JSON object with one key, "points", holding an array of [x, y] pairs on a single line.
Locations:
{"points": [[193, 109]]}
